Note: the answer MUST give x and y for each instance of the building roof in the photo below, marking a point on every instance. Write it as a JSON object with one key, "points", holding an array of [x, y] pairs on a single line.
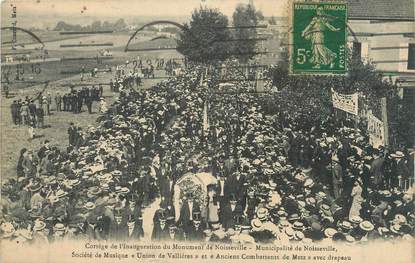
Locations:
{"points": [[382, 10]]}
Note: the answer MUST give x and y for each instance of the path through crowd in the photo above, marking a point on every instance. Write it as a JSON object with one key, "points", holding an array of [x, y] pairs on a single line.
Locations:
{"points": [[148, 214]]}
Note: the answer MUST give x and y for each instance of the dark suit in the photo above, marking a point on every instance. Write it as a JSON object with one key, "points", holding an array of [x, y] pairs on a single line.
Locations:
{"points": [[93, 233], [177, 236], [229, 215], [377, 170], [195, 234], [165, 189], [184, 219], [159, 233], [235, 186], [72, 134], [136, 234], [337, 182], [118, 231], [136, 213]]}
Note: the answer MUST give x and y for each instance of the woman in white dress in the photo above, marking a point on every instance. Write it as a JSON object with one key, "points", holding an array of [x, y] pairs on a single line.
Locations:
{"points": [[357, 199]]}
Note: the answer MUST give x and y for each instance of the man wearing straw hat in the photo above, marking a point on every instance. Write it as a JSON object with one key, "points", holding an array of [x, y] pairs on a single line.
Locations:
{"points": [[400, 170], [38, 232]]}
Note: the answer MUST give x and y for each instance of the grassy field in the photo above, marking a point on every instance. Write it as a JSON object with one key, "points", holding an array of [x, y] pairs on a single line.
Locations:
{"points": [[55, 70], [24, 38], [13, 138]]}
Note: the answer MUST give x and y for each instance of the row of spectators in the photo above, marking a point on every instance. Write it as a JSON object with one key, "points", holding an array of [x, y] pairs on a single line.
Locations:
{"points": [[273, 177]]}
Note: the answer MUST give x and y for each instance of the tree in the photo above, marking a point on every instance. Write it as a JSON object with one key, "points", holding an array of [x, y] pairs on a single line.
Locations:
{"points": [[206, 39], [245, 20], [272, 20], [107, 26], [96, 26], [120, 25], [62, 26], [258, 14]]}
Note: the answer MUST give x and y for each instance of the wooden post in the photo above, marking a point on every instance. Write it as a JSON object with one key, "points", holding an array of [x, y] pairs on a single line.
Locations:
{"points": [[384, 109]]}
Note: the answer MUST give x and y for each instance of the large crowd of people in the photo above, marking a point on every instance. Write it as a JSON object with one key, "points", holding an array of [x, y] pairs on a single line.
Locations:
{"points": [[277, 177]]}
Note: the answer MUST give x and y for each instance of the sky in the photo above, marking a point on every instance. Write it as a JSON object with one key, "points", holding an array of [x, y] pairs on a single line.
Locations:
{"points": [[34, 11]]}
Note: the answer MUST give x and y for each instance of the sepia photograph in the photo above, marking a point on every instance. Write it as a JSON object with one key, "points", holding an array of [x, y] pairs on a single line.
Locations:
{"points": [[207, 131]]}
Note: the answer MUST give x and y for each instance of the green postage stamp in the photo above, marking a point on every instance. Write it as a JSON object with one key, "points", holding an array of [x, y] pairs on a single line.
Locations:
{"points": [[319, 38]]}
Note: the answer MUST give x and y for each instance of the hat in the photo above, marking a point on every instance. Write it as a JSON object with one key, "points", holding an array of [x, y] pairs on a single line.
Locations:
{"points": [[284, 224], [281, 213], [398, 154], [256, 224], [53, 199], [330, 232], [326, 209], [356, 219], [215, 225], [262, 213], [116, 173], [26, 234], [346, 225], [35, 187], [383, 230], [220, 233], [289, 232], [321, 194], [94, 190], [294, 217], [89, 206], [308, 183], [350, 239], [7, 229], [59, 227], [118, 189], [298, 235], [75, 182], [395, 229], [60, 193], [298, 225], [366, 226], [399, 219], [124, 190], [386, 193], [310, 200]]}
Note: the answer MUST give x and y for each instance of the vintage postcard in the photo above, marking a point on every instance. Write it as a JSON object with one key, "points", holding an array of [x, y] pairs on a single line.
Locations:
{"points": [[207, 131]]}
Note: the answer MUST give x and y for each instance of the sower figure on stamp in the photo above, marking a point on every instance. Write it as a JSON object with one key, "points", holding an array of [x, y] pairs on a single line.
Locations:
{"points": [[314, 32]]}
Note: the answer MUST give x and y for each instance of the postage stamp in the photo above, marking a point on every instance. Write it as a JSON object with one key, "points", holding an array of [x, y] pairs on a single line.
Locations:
{"points": [[319, 37]]}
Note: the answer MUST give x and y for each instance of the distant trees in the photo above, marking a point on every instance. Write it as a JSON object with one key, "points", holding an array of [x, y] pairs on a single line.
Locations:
{"points": [[245, 18], [119, 25], [272, 20], [206, 38]]}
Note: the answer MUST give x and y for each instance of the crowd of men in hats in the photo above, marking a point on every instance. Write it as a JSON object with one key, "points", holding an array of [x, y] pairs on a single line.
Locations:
{"points": [[31, 111], [278, 177], [74, 100]]}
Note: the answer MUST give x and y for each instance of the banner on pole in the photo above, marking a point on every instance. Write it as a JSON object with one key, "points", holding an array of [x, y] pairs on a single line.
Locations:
{"points": [[348, 103], [375, 128]]}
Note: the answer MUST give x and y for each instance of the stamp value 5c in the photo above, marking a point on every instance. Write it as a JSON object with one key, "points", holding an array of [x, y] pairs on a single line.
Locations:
{"points": [[319, 38]]}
